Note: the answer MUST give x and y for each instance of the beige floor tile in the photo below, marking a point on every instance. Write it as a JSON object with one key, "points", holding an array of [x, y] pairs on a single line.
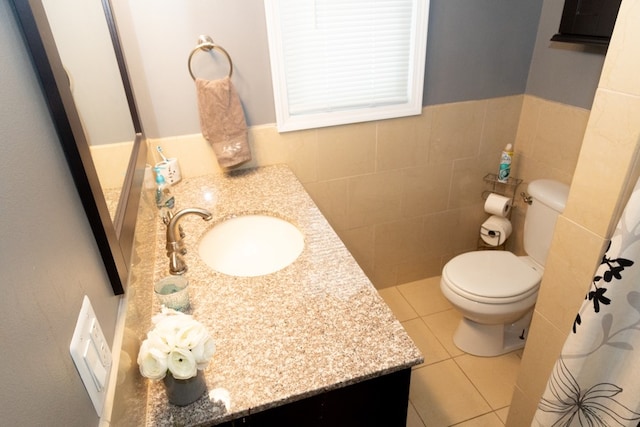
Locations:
{"points": [[425, 296], [443, 325], [413, 419], [442, 395], [398, 304], [426, 341], [502, 414], [494, 377], [487, 420], [451, 388]]}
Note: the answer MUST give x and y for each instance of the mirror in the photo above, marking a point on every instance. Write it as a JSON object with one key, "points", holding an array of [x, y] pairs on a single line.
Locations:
{"points": [[114, 236], [83, 39]]}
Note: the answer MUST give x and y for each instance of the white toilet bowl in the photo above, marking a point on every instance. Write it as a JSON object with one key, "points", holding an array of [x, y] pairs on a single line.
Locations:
{"points": [[495, 291]]}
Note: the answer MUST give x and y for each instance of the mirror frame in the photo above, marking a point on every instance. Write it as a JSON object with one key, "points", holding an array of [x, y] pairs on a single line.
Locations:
{"points": [[113, 237]]}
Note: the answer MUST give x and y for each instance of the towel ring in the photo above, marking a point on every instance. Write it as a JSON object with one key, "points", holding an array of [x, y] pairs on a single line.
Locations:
{"points": [[206, 43]]}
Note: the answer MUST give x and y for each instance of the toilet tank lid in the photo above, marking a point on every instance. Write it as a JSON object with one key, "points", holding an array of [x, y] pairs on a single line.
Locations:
{"points": [[549, 192]]}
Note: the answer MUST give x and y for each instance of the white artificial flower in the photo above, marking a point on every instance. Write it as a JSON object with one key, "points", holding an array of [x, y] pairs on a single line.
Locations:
{"points": [[203, 352], [182, 364], [161, 340], [178, 343], [171, 319], [152, 362], [190, 335]]}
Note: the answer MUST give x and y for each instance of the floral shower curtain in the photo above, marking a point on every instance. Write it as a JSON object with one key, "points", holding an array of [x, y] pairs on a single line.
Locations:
{"points": [[596, 379]]}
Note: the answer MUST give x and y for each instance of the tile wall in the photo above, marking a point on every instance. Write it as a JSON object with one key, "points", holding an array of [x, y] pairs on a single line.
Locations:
{"points": [[547, 145], [111, 162], [605, 173], [405, 194]]}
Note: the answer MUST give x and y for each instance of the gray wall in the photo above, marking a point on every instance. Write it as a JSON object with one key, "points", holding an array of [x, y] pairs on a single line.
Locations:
{"points": [[479, 49], [157, 46], [475, 50], [48, 256], [563, 72]]}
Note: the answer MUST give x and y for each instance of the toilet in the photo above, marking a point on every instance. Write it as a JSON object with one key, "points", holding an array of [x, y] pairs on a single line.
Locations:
{"points": [[496, 290]]}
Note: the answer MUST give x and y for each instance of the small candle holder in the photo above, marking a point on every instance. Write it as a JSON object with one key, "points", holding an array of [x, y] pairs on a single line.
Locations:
{"points": [[173, 292]]}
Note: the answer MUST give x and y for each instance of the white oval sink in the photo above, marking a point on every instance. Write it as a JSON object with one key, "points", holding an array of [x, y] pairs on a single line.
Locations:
{"points": [[251, 245]]}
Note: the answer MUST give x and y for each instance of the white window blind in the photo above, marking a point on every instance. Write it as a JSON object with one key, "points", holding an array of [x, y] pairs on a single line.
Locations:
{"points": [[344, 61]]}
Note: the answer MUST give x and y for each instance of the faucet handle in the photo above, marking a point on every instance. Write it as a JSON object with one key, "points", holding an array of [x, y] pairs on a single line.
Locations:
{"points": [[167, 215]]}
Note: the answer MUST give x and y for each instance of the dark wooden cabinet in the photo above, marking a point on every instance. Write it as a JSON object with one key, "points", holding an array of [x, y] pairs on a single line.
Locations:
{"points": [[588, 21], [380, 401]]}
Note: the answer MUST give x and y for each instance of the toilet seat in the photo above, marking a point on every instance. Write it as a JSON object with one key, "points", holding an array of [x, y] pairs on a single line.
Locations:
{"points": [[491, 277]]}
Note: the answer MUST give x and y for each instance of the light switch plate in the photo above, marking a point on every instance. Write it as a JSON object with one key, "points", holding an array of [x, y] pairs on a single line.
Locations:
{"points": [[91, 355]]}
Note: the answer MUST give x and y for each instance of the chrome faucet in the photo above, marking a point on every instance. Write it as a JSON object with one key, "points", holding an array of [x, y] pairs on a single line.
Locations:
{"points": [[175, 246]]}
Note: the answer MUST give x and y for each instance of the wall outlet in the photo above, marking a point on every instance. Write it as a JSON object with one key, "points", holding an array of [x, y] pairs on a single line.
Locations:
{"points": [[91, 355]]}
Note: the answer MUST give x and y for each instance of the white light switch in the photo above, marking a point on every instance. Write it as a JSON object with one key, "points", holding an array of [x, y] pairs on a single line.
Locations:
{"points": [[91, 354], [94, 364]]}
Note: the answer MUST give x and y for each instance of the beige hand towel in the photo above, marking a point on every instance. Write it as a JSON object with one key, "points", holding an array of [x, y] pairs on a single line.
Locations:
{"points": [[222, 121]]}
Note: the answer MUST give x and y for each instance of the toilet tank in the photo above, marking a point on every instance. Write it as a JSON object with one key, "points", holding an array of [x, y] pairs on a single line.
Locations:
{"points": [[549, 199]]}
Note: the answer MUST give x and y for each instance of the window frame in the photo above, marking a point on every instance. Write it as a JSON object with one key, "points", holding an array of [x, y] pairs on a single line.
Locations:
{"points": [[287, 122]]}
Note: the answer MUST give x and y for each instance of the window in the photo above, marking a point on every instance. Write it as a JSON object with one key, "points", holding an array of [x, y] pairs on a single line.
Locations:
{"points": [[345, 61]]}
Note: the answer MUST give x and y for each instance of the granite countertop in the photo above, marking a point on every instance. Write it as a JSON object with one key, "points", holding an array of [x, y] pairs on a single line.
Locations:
{"points": [[316, 325]]}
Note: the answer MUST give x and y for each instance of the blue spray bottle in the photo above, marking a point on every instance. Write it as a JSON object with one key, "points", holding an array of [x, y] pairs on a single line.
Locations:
{"points": [[505, 163], [164, 199]]}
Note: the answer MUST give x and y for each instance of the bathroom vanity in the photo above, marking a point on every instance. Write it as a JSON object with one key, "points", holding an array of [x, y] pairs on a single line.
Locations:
{"points": [[312, 344]]}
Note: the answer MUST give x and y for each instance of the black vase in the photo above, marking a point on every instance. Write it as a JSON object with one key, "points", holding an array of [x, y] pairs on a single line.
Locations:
{"points": [[184, 392]]}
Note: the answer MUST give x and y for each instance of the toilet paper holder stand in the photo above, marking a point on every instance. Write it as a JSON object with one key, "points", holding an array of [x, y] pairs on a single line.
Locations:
{"points": [[507, 189], [490, 233], [494, 234]]}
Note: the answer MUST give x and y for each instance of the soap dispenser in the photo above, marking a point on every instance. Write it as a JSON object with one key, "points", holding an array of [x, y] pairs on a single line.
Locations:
{"points": [[164, 199]]}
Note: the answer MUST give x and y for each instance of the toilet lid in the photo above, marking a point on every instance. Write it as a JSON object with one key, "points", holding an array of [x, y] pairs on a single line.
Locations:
{"points": [[490, 274]]}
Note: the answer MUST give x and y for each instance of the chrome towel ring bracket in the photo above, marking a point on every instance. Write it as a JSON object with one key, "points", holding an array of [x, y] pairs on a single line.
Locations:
{"points": [[205, 43]]}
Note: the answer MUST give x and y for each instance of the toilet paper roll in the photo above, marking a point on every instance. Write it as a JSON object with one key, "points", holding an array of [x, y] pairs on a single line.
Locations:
{"points": [[495, 230], [497, 205]]}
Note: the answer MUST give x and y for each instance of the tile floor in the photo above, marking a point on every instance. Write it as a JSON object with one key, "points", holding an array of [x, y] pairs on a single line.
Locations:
{"points": [[451, 388]]}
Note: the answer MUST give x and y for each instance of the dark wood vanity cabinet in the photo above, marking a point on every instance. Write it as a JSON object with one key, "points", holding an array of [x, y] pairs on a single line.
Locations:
{"points": [[588, 21], [379, 401]]}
